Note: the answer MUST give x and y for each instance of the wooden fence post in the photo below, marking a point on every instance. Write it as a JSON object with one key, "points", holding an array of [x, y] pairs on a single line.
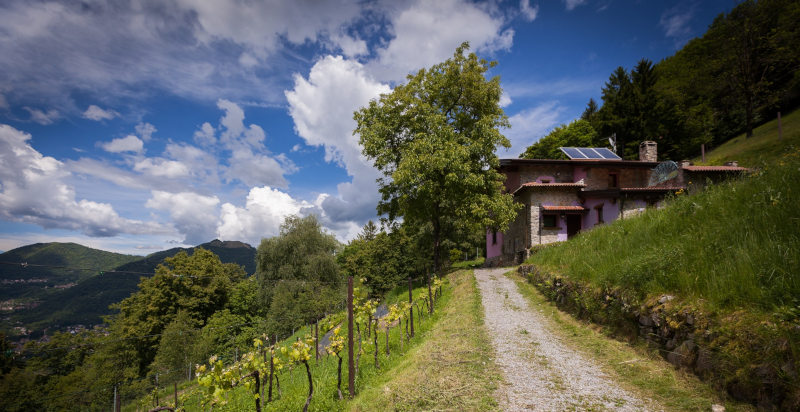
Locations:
{"points": [[350, 366], [410, 306]]}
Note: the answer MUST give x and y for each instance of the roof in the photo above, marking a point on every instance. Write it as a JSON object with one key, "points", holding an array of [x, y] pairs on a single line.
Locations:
{"points": [[651, 189], [715, 169], [589, 153], [551, 185], [564, 208], [574, 162]]}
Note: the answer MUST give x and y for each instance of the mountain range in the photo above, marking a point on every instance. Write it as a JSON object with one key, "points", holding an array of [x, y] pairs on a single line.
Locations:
{"points": [[58, 286]]}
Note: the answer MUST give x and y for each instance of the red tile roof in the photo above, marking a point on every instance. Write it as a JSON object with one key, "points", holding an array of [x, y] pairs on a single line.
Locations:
{"points": [[715, 169], [563, 208], [651, 188]]}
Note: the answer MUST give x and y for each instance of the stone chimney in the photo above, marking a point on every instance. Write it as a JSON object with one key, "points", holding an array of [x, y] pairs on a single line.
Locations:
{"points": [[733, 163], [648, 151], [685, 163]]}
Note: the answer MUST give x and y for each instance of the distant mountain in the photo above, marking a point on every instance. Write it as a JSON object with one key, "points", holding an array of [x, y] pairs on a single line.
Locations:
{"points": [[83, 297]]}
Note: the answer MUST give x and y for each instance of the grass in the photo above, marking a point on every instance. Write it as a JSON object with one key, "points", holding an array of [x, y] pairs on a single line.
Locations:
{"points": [[763, 148], [636, 368], [398, 371], [452, 368], [735, 245]]}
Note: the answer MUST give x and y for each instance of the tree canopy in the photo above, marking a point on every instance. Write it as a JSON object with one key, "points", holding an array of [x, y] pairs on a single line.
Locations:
{"points": [[579, 133], [434, 139]]}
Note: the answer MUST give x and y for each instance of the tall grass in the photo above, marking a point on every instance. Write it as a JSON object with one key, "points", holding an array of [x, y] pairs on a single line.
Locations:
{"points": [[736, 244]]}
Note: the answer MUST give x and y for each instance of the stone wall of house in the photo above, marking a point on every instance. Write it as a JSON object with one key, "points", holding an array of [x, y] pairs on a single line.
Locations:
{"points": [[549, 197], [560, 173], [597, 177], [632, 207]]}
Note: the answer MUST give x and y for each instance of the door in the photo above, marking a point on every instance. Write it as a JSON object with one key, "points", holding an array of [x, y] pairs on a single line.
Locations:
{"points": [[573, 225]]}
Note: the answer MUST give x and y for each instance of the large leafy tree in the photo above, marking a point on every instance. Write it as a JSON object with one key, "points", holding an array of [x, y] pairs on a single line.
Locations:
{"points": [[297, 274], [434, 139]]}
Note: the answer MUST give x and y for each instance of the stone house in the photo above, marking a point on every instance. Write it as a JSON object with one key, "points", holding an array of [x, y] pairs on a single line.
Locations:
{"points": [[561, 198]]}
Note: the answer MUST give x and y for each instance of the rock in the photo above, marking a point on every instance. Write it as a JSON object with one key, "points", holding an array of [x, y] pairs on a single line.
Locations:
{"points": [[645, 321], [665, 298], [683, 355], [717, 408], [703, 364], [689, 319]]}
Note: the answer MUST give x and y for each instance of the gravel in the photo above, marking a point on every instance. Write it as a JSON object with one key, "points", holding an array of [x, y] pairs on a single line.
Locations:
{"points": [[541, 372]]}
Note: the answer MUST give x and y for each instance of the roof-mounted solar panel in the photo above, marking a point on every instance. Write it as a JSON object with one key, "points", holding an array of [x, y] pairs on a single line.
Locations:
{"points": [[589, 153]]}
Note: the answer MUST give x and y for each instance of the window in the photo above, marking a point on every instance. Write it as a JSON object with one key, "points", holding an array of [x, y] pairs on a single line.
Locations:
{"points": [[612, 181], [599, 209], [549, 221], [545, 181]]}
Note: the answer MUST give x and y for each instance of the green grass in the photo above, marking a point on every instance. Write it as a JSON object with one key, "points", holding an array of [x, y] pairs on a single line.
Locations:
{"points": [[763, 148], [468, 264], [735, 245], [636, 368], [294, 384], [451, 369]]}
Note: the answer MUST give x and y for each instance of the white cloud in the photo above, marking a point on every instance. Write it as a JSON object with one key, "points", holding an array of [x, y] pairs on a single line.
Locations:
{"points": [[32, 190], [160, 167], [205, 136], [97, 114], [146, 131], [528, 12], [192, 214], [264, 211], [428, 32], [556, 87], [529, 125], [572, 4], [505, 99], [42, 117], [675, 23], [129, 143], [322, 108]]}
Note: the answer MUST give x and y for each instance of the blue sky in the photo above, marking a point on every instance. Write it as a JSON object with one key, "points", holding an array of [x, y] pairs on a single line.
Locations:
{"points": [[141, 125]]}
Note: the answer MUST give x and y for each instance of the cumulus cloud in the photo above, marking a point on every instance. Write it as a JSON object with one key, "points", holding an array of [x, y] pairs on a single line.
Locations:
{"points": [[43, 117], [32, 190], [129, 143], [428, 32], [529, 125], [95, 113], [145, 130], [322, 108], [192, 214], [528, 12], [160, 167], [206, 135], [264, 211]]}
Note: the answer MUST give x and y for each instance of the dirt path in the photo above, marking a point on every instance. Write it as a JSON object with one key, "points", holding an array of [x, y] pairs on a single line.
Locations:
{"points": [[542, 373]]}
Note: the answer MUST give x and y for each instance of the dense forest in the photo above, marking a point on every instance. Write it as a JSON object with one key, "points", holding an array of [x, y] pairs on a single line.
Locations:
{"points": [[742, 72]]}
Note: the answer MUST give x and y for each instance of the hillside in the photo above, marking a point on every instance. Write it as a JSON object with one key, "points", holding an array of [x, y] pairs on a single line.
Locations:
{"points": [[763, 148], [85, 295]]}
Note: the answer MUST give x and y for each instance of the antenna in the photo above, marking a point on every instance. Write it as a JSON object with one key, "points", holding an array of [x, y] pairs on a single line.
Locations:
{"points": [[612, 140], [664, 171]]}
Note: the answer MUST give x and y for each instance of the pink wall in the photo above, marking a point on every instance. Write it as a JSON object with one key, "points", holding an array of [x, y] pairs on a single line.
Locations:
{"points": [[610, 211], [495, 249]]}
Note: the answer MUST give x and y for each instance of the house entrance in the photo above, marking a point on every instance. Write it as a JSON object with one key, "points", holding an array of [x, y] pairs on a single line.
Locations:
{"points": [[573, 225]]}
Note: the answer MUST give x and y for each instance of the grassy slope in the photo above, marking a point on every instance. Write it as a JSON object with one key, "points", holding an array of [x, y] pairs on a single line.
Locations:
{"points": [[763, 148], [637, 368], [438, 348], [736, 245]]}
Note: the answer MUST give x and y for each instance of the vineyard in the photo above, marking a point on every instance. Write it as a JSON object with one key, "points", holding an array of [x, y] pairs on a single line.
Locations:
{"points": [[309, 369]]}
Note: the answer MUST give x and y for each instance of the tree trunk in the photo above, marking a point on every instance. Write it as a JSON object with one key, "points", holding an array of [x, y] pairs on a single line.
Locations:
{"points": [[271, 371]]}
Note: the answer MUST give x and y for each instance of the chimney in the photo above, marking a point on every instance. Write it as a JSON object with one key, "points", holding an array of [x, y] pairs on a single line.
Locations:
{"points": [[685, 163], [648, 151], [733, 163]]}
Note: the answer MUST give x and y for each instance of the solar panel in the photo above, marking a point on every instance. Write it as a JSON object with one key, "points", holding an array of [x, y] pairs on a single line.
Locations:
{"points": [[573, 152], [607, 154], [589, 153]]}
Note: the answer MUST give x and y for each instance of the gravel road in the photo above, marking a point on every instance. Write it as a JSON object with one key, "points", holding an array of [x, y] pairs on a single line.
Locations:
{"points": [[541, 372]]}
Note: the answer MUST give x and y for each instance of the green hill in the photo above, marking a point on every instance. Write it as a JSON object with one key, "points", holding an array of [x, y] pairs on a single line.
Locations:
{"points": [[89, 293], [763, 148]]}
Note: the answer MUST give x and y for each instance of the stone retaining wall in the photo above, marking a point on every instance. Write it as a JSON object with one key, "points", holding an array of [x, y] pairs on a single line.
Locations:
{"points": [[752, 359]]}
